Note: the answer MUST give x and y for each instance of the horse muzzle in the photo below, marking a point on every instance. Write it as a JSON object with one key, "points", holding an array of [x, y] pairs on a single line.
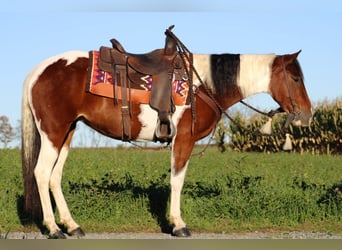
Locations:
{"points": [[301, 119]]}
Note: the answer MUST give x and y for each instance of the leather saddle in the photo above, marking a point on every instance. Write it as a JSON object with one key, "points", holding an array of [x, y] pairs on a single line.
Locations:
{"points": [[162, 65]]}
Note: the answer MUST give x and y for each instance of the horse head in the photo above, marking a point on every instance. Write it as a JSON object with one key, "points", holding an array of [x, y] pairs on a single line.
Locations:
{"points": [[288, 90]]}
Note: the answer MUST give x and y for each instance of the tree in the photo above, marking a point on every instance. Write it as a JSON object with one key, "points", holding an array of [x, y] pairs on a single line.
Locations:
{"points": [[221, 134], [7, 133], [17, 137]]}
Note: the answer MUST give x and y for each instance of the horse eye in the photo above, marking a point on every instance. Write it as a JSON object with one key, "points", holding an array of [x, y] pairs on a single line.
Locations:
{"points": [[296, 78]]}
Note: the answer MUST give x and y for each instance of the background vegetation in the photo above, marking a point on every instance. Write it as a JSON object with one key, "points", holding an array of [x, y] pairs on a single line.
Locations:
{"points": [[120, 190], [324, 136]]}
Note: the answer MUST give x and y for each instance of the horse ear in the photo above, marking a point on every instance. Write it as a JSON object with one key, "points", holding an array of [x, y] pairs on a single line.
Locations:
{"points": [[294, 55], [289, 58], [297, 53]]}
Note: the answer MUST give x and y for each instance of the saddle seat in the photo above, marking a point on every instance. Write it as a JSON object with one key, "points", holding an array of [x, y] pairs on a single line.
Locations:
{"points": [[151, 63]]}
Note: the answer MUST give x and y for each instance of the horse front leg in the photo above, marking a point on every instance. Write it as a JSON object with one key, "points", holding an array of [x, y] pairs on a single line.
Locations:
{"points": [[179, 162]]}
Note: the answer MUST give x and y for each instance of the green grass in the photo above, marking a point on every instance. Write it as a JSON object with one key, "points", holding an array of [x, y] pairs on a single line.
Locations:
{"points": [[119, 190]]}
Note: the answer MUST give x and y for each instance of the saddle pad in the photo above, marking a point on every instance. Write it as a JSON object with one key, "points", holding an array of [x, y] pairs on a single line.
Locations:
{"points": [[101, 83]]}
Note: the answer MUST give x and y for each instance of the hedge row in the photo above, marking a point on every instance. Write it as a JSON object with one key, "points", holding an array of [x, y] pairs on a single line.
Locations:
{"points": [[324, 136]]}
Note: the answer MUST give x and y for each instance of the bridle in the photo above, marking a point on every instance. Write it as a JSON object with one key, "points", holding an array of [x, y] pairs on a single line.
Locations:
{"points": [[296, 112]]}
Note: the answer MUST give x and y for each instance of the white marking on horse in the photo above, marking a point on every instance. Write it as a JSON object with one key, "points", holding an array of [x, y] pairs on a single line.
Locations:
{"points": [[47, 157], [56, 189], [176, 182], [255, 73], [202, 65], [148, 118]]}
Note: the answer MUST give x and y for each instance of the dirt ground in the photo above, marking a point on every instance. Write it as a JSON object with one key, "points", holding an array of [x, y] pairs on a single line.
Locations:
{"points": [[254, 235]]}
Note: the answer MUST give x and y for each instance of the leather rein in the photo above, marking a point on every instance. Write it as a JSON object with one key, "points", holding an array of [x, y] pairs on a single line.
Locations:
{"points": [[211, 101], [186, 57]]}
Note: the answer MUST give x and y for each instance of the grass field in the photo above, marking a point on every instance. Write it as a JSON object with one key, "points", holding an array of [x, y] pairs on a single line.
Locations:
{"points": [[121, 190]]}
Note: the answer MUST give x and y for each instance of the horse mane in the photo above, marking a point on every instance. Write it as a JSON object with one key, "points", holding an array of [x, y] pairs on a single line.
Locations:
{"points": [[224, 71]]}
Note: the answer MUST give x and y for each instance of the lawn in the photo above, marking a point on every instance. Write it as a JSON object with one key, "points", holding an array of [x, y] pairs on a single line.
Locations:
{"points": [[127, 190]]}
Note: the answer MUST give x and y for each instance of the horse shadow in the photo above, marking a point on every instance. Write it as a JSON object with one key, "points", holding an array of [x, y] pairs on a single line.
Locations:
{"points": [[27, 220], [158, 199], [332, 196], [158, 195]]}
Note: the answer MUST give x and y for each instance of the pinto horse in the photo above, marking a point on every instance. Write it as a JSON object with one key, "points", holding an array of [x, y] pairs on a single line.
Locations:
{"points": [[55, 99]]}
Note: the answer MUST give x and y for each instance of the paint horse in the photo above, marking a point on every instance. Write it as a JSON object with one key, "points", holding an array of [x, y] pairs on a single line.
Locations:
{"points": [[54, 100]]}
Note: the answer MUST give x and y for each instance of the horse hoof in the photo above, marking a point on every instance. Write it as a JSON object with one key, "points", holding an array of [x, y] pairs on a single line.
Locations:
{"points": [[78, 232], [57, 235], [183, 232]]}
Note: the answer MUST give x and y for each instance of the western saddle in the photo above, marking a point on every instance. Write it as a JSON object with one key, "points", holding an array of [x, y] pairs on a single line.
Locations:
{"points": [[163, 65]]}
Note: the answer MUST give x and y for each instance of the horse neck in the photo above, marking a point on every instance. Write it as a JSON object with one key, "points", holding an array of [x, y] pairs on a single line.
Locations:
{"points": [[233, 77]]}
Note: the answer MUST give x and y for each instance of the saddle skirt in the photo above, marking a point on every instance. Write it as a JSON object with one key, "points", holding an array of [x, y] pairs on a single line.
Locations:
{"points": [[103, 83]]}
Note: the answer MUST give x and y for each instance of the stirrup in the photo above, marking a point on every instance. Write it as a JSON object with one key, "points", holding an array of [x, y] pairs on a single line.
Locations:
{"points": [[161, 135]]}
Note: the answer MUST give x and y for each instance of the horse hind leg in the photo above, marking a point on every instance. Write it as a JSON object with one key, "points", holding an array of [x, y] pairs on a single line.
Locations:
{"points": [[55, 185], [48, 155]]}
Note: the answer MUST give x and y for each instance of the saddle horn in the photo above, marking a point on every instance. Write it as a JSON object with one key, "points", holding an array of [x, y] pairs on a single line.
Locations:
{"points": [[117, 45]]}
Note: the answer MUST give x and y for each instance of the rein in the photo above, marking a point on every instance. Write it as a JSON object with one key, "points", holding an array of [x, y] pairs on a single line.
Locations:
{"points": [[185, 55]]}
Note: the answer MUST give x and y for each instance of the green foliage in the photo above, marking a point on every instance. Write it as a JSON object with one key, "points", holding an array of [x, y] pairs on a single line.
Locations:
{"points": [[323, 136], [120, 190], [7, 133]]}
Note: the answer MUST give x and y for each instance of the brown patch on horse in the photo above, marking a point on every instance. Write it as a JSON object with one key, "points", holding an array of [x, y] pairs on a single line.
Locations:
{"points": [[47, 95], [294, 85], [59, 116]]}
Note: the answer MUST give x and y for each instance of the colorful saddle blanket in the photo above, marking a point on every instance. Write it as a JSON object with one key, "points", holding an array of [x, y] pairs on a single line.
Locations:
{"points": [[101, 83]]}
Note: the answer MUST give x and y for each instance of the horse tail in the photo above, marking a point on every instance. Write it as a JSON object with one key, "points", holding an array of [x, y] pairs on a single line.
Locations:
{"points": [[30, 148]]}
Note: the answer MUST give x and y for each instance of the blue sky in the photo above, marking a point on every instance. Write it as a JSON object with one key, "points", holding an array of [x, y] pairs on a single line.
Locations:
{"points": [[34, 30]]}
